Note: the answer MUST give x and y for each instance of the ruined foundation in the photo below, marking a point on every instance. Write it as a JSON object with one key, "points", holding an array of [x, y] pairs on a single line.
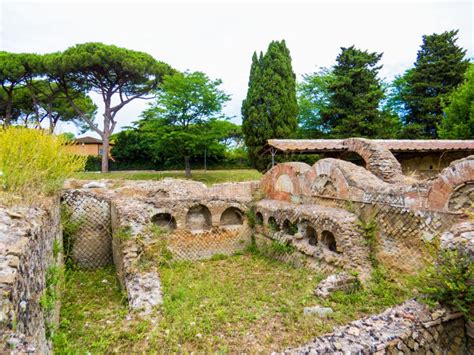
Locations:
{"points": [[323, 212]]}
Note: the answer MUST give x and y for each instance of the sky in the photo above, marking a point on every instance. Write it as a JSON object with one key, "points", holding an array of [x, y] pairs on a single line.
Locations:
{"points": [[219, 37]]}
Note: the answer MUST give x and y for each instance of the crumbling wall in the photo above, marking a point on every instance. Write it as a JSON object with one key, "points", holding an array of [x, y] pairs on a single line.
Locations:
{"points": [[308, 228], [197, 222], [91, 239], [30, 243], [407, 214], [410, 328]]}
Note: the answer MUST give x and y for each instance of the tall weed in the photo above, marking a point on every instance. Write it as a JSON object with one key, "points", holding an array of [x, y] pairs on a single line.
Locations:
{"points": [[34, 162]]}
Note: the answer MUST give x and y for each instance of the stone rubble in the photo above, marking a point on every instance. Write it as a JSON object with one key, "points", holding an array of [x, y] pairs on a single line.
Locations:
{"points": [[408, 328], [336, 282]]}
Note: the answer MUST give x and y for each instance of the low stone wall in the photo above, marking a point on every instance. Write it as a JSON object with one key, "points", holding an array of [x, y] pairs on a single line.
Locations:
{"points": [[117, 219], [30, 241], [410, 328]]}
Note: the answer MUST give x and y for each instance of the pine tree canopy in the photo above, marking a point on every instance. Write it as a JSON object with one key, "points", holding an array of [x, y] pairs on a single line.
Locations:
{"points": [[270, 108]]}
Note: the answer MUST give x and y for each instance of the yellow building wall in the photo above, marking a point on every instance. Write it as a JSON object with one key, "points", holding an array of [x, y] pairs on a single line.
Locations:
{"points": [[86, 149]]}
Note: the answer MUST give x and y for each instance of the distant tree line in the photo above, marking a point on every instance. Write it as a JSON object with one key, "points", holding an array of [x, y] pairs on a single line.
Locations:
{"points": [[432, 100], [184, 122]]}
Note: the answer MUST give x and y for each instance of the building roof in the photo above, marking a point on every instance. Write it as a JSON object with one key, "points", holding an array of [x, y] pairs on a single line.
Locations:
{"points": [[87, 140], [394, 145]]}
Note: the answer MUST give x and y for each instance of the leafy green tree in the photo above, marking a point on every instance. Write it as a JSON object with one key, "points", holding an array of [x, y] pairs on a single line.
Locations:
{"points": [[118, 75], [458, 121], [187, 106], [439, 68], [270, 108], [314, 98], [355, 95]]}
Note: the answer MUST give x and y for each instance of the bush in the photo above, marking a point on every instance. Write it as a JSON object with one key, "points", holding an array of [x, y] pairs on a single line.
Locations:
{"points": [[449, 282], [33, 162]]}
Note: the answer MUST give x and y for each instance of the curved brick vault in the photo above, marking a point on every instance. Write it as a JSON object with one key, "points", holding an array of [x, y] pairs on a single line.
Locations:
{"points": [[284, 180], [457, 177], [379, 160]]}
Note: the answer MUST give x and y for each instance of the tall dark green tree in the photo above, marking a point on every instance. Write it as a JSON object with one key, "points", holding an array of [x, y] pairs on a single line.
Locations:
{"points": [[270, 108], [355, 94], [439, 68]]}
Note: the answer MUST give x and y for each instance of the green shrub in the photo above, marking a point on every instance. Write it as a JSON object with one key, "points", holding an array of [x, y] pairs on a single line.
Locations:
{"points": [[33, 162], [449, 282]]}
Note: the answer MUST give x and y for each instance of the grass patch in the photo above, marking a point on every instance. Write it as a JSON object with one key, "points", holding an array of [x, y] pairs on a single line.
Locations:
{"points": [[242, 303], [209, 177]]}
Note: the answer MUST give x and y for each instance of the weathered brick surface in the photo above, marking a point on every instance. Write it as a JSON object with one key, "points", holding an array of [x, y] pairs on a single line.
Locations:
{"points": [[410, 328], [459, 174], [204, 221], [27, 236], [350, 252], [378, 160]]}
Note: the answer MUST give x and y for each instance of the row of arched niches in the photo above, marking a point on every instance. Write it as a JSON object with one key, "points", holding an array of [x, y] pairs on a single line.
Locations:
{"points": [[199, 219]]}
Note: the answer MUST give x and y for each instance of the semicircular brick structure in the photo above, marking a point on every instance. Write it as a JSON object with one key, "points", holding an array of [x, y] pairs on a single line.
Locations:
{"points": [[379, 160], [284, 180], [453, 190], [343, 180]]}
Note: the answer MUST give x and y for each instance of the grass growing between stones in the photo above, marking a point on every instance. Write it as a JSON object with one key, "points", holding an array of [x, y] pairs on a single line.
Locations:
{"points": [[208, 177], [228, 304]]}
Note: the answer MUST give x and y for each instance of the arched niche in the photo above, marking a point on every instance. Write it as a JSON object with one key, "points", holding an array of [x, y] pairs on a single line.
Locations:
{"points": [[199, 218], [232, 216], [329, 241], [164, 220], [259, 219], [289, 228], [273, 224], [311, 235]]}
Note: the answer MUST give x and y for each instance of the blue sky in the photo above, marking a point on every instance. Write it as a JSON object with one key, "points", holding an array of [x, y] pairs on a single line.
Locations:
{"points": [[219, 37]]}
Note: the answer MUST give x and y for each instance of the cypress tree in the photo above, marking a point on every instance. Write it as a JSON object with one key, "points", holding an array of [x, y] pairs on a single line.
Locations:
{"points": [[270, 108], [355, 95], [439, 69]]}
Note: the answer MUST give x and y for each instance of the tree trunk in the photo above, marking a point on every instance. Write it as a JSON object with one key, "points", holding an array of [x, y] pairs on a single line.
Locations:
{"points": [[105, 153], [187, 167]]}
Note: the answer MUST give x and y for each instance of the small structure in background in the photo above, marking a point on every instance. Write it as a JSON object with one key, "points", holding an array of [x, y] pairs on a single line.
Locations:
{"points": [[88, 146], [422, 158]]}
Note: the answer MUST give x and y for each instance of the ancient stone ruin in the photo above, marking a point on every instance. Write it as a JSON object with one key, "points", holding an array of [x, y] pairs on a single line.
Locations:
{"points": [[321, 211]]}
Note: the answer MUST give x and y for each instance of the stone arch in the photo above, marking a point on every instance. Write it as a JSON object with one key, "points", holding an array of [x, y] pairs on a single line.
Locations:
{"points": [[273, 224], [199, 218], [453, 186], [328, 240], [259, 218], [284, 180], [164, 220], [232, 216], [378, 160]]}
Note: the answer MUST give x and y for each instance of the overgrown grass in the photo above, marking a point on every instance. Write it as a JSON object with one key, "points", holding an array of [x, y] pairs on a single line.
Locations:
{"points": [[33, 162], [243, 303], [208, 177]]}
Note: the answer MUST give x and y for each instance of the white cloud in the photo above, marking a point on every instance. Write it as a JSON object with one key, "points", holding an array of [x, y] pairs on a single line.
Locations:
{"points": [[220, 37]]}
